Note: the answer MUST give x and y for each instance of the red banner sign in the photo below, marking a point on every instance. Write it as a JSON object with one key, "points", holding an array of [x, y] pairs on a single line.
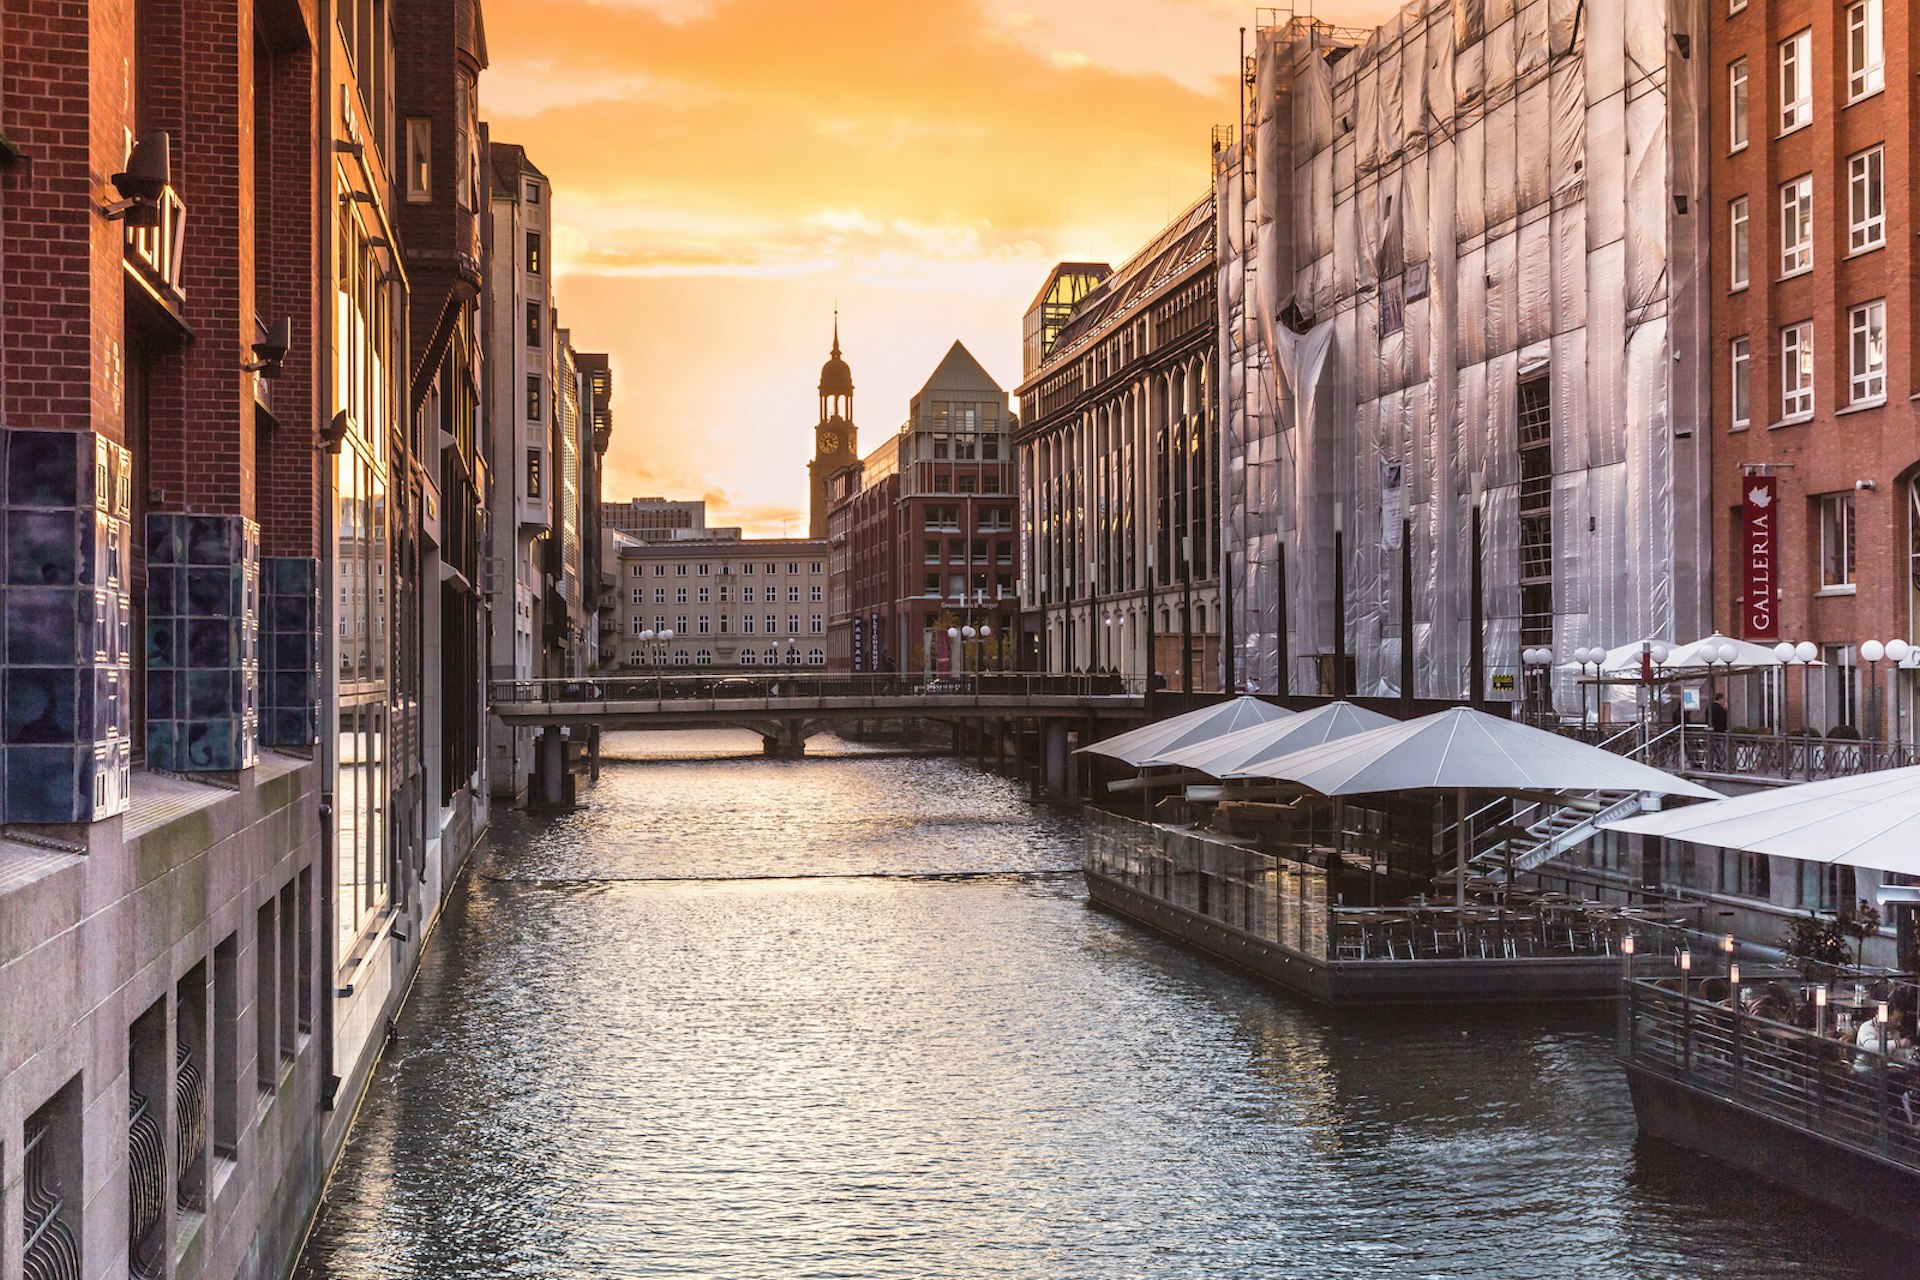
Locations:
{"points": [[1760, 559]]}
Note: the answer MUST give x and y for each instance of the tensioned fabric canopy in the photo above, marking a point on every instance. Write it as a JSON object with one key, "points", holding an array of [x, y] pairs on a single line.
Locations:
{"points": [[1746, 654], [1868, 820], [1241, 754], [1138, 747], [1467, 750]]}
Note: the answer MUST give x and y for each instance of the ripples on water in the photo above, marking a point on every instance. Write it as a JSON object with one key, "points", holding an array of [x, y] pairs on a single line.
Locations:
{"points": [[736, 1020]]}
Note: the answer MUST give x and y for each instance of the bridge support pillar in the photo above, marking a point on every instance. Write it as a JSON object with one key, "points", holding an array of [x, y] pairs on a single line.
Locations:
{"points": [[593, 753], [1059, 765], [551, 784], [787, 744]]}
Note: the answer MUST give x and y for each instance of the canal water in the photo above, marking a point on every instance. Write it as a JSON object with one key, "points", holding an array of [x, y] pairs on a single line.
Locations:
{"points": [[851, 1017]]}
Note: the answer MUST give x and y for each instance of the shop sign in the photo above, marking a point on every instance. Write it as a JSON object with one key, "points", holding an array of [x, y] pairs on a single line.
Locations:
{"points": [[1760, 559]]}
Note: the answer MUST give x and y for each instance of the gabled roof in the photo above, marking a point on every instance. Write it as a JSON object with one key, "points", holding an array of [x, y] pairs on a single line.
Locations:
{"points": [[510, 164], [959, 371], [1100, 269]]}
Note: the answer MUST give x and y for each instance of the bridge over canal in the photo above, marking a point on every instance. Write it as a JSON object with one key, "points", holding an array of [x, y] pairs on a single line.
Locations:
{"points": [[786, 708]]}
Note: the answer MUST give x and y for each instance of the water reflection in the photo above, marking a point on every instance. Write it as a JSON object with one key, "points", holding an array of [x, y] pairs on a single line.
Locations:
{"points": [[608, 1069]]}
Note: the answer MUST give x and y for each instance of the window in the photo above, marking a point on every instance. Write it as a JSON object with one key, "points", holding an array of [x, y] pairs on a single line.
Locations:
{"points": [[680, 657], [706, 624], [816, 657], [1737, 211], [1866, 49], [748, 658], [746, 629], [706, 595], [1866, 200], [705, 571], [1836, 540], [813, 566], [637, 627], [772, 569], [726, 593], [793, 568], [816, 623], [746, 595], [533, 397], [1796, 370], [679, 571], [533, 252], [679, 595], [793, 624], [747, 568], [1742, 383], [533, 324], [1796, 81], [1796, 225], [659, 571], [814, 594], [773, 623], [1735, 6], [703, 657], [726, 624], [1867, 352], [659, 595], [419, 159], [1737, 104], [533, 193], [533, 473], [793, 593]]}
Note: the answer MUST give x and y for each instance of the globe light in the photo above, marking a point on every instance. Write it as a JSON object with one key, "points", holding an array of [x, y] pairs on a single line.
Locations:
{"points": [[953, 633], [1899, 650], [1873, 651], [967, 632], [985, 631], [1806, 651], [1728, 651], [1784, 651], [1659, 652], [647, 634]]}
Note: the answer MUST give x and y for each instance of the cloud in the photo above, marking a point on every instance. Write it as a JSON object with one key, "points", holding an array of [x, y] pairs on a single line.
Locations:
{"points": [[724, 171]]}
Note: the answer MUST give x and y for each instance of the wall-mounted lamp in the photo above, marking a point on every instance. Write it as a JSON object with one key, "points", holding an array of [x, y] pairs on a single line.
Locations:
{"points": [[271, 352], [149, 170], [335, 433]]}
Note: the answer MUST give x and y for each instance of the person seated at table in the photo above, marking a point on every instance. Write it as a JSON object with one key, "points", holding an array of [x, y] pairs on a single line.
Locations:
{"points": [[1881, 1044]]}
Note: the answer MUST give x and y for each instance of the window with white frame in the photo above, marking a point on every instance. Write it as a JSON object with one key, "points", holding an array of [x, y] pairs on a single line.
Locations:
{"points": [[1742, 382], [1741, 243], [1796, 81], [1735, 6], [1796, 370], [659, 595], [1866, 200], [1796, 225], [1836, 540], [793, 624], [1866, 49], [1867, 352], [1737, 104]]}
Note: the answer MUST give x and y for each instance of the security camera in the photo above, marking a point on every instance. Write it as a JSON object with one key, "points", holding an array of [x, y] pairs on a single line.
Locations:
{"points": [[1865, 484], [271, 352]]}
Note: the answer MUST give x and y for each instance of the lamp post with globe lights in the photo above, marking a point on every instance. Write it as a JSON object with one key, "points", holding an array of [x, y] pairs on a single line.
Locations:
{"points": [[1902, 655], [1873, 653], [1589, 656], [1536, 662], [1804, 653], [1721, 655], [1653, 655], [1784, 652]]}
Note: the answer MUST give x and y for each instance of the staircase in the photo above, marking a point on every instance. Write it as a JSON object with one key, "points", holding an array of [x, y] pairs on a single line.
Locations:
{"points": [[1541, 831]]}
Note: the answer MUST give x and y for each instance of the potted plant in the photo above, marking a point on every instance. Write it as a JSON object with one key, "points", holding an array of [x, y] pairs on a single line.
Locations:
{"points": [[1818, 946]]}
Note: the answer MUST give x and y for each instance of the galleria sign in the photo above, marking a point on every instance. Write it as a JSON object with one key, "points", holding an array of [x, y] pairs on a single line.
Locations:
{"points": [[1760, 560]]}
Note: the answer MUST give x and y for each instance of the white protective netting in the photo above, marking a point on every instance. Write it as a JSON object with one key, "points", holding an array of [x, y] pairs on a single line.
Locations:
{"points": [[1518, 181]]}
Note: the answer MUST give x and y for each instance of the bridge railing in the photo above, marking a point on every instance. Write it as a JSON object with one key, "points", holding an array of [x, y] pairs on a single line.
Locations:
{"points": [[623, 687]]}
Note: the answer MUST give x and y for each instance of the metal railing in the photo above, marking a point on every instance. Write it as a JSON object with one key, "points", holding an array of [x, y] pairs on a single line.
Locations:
{"points": [[50, 1251], [684, 685], [1748, 1048]]}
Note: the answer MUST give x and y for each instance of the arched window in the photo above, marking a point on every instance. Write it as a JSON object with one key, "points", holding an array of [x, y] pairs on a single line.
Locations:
{"points": [[703, 657], [747, 658], [816, 657], [1199, 617], [679, 657], [773, 655]]}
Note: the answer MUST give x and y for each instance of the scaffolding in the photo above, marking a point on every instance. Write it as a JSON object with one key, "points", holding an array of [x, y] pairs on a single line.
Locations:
{"points": [[1478, 205]]}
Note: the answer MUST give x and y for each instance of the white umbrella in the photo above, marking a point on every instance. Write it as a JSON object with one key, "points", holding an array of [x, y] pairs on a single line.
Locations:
{"points": [[1462, 750], [1241, 754], [1745, 655], [1868, 820], [1138, 747], [1621, 660]]}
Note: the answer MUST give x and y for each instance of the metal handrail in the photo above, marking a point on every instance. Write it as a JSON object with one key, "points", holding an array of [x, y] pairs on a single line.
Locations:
{"points": [[684, 685]]}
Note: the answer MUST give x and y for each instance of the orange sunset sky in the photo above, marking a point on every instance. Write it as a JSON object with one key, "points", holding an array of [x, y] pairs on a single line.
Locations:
{"points": [[725, 171]]}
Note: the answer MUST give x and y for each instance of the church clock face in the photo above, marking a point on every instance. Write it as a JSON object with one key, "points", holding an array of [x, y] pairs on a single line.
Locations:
{"points": [[829, 442]]}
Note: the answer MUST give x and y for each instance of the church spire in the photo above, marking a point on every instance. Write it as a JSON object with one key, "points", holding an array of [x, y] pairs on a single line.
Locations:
{"points": [[836, 333]]}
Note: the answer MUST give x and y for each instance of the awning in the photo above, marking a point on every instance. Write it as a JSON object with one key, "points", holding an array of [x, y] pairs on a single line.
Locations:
{"points": [[1241, 754], [1138, 747]]}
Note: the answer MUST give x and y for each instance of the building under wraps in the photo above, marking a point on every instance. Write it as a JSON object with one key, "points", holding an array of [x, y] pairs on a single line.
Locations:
{"points": [[1463, 252]]}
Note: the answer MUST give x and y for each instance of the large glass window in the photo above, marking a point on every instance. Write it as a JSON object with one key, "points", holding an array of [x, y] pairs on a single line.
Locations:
{"points": [[1796, 81], [1796, 370], [1867, 352], [1866, 200], [1866, 49], [1737, 104], [1796, 225]]}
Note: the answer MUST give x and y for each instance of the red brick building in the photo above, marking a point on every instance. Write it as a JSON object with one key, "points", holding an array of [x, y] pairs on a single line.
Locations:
{"points": [[1813, 336]]}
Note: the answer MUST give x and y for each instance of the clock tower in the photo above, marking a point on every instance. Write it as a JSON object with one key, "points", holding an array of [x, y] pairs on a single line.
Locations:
{"points": [[833, 444]]}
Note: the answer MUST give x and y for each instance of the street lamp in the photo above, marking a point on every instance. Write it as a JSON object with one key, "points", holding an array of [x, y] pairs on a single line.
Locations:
{"points": [[1784, 652], [1871, 652], [1903, 656], [1722, 654], [1536, 660], [1589, 656]]}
